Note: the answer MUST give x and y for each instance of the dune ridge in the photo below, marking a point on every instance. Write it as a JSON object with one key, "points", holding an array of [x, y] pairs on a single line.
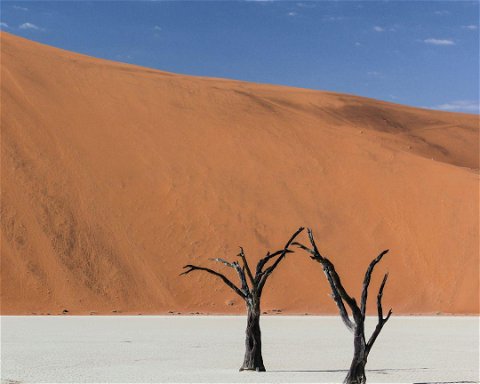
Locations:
{"points": [[114, 176]]}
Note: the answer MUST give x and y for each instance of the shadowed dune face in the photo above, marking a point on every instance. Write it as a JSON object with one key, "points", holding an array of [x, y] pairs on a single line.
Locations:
{"points": [[115, 176]]}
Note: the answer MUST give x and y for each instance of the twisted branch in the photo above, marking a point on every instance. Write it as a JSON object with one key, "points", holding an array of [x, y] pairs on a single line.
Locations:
{"points": [[263, 261], [381, 320], [265, 274], [191, 268], [339, 294], [246, 266], [240, 272], [257, 282], [366, 281]]}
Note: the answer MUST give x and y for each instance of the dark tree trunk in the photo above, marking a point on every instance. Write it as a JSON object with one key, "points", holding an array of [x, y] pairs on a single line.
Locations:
{"points": [[356, 374], [251, 291], [253, 342]]}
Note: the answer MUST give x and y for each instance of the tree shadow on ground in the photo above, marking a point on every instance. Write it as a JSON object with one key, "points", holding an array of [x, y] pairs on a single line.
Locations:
{"points": [[445, 382], [385, 371], [369, 370]]}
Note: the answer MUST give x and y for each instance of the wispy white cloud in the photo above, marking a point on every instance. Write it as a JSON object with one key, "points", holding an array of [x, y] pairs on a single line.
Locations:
{"points": [[471, 27], [358, 44], [3, 25], [439, 41], [378, 28], [375, 75], [157, 28], [19, 8], [292, 14], [460, 106], [123, 57], [442, 12], [30, 26], [333, 18], [306, 5]]}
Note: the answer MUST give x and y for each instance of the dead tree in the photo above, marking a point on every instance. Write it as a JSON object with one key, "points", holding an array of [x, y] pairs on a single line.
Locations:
{"points": [[362, 347], [251, 292]]}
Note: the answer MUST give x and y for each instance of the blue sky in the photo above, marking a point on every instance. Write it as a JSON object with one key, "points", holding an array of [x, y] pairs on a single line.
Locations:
{"points": [[421, 53]]}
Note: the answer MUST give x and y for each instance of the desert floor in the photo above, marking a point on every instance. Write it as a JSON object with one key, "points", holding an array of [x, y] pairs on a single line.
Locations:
{"points": [[210, 349]]}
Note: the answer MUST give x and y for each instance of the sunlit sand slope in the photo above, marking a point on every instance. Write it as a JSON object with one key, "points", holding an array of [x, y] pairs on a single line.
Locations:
{"points": [[115, 176]]}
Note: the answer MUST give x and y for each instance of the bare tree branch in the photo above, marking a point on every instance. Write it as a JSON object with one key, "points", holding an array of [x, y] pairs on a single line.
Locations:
{"points": [[335, 278], [338, 292], [240, 273], [262, 262], [247, 267], [312, 241], [243, 280], [330, 272], [338, 300], [366, 281], [265, 274], [191, 268], [381, 319], [379, 298], [227, 263], [376, 332], [304, 248]]}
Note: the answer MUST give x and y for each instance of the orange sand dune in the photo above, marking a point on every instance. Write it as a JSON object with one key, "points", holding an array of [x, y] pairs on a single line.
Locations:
{"points": [[115, 176]]}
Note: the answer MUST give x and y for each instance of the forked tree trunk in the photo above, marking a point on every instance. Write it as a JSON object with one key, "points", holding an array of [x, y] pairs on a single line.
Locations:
{"points": [[362, 347], [253, 360], [356, 374], [251, 292]]}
